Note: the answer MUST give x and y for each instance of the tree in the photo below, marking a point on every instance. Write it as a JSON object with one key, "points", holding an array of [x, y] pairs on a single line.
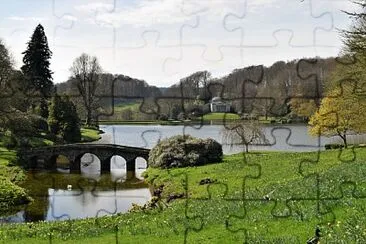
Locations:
{"points": [[86, 71], [63, 119], [342, 110], [340, 113], [6, 68], [354, 39], [243, 132], [36, 68], [303, 107]]}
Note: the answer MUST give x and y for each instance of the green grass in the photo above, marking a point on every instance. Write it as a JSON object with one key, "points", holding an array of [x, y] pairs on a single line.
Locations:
{"points": [[10, 175], [89, 135], [220, 211], [134, 106], [220, 116]]}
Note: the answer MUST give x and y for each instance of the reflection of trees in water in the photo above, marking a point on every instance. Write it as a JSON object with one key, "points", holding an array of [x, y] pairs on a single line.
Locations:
{"points": [[37, 210], [118, 162], [84, 190], [90, 164], [88, 198]]}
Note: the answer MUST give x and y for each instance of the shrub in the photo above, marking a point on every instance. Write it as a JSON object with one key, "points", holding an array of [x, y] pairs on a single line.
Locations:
{"points": [[163, 117], [333, 146], [39, 123], [183, 151], [11, 194]]}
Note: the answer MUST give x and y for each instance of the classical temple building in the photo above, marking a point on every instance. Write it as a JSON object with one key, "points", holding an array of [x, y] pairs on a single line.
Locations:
{"points": [[219, 106]]}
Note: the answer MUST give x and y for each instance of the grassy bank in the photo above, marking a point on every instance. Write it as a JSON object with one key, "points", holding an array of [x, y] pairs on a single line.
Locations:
{"points": [[10, 175], [90, 134], [216, 212]]}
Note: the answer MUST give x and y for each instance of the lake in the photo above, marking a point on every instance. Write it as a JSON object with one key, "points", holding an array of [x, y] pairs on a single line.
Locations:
{"points": [[293, 137], [61, 195]]}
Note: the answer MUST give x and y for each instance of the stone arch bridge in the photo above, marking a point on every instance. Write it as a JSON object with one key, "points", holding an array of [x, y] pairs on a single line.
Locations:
{"points": [[45, 157]]}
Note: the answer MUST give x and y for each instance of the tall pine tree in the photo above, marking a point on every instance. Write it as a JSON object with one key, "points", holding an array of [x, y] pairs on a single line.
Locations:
{"points": [[36, 69]]}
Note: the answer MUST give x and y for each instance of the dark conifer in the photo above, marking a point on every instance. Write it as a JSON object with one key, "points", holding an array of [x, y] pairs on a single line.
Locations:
{"points": [[36, 68]]}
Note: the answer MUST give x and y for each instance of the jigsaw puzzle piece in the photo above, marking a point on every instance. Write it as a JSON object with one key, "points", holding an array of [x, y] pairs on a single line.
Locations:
{"points": [[205, 14], [312, 24], [236, 221]]}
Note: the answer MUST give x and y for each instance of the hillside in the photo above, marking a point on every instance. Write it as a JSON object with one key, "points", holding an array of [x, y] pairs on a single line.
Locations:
{"points": [[265, 91]]}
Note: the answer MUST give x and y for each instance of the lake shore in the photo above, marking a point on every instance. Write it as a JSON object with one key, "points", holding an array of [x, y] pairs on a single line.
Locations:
{"points": [[168, 222], [12, 174]]}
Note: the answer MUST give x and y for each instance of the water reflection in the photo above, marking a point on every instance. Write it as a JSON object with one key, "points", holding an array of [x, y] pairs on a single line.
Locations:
{"points": [[92, 203], [61, 195]]}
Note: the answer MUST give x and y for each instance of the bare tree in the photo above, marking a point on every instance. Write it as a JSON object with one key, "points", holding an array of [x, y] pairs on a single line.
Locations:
{"points": [[243, 132], [86, 72]]}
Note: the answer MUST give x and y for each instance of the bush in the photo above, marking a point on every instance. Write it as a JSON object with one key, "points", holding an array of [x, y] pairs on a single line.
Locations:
{"points": [[163, 117], [11, 194], [183, 151], [333, 146], [39, 123], [10, 142]]}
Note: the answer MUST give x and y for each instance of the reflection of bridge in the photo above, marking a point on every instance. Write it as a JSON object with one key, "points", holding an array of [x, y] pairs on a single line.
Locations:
{"points": [[45, 157]]}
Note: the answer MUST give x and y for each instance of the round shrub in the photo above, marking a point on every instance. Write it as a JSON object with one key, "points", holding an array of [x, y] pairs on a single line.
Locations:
{"points": [[183, 151]]}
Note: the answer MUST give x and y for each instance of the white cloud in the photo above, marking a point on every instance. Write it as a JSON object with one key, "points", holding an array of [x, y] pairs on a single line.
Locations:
{"points": [[151, 12], [20, 18], [70, 17], [93, 7]]}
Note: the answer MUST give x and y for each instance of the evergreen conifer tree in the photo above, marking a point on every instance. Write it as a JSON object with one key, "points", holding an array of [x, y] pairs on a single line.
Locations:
{"points": [[36, 69]]}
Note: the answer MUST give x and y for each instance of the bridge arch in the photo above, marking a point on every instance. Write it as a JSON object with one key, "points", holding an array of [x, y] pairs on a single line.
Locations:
{"points": [[45, 157], [141, 163], [118, 162], [141, 166], [60, 161], [85, 162]]}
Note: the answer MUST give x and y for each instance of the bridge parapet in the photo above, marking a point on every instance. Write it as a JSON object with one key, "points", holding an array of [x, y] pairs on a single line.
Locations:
{"points": [[74, 152]]}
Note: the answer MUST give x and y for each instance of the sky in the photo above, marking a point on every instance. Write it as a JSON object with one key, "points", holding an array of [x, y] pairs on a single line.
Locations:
{"points": [[162, 41]]}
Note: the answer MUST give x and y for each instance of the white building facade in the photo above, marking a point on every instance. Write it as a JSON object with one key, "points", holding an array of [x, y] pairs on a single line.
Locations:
{"points": [[219, 106]]}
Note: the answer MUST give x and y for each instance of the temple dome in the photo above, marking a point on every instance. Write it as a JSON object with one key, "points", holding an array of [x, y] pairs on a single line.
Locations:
{"points": [[216, 99]]}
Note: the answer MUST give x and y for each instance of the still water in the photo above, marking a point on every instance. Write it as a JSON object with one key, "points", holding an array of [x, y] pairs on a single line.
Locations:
{"points": [[61, 195], [293, 137]]}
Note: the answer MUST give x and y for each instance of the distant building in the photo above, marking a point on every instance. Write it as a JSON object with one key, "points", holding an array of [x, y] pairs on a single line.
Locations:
{"points": [[219, 106]]}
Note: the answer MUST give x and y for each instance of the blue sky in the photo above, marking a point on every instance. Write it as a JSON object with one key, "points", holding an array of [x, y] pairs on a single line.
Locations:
{"points": [[161, 41]]}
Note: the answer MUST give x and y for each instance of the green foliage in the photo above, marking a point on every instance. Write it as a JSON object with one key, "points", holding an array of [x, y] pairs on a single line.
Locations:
{"points": [[182, 151], [169, 224], [11, 194], [36, 63], [63, 119], [25, 125], [36, 70], [340, 112], [89, 134]]}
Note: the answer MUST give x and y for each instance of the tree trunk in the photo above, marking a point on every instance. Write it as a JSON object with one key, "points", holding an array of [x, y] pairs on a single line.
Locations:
{"points": [[88, 117], [344, 138], [246, 148]]}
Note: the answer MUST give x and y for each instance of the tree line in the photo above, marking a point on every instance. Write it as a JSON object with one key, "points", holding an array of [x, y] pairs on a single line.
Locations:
{"points": [[291, 89]]}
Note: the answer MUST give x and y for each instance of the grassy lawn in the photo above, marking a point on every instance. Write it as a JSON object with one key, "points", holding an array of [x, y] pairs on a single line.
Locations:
{"points": [[232, 208], [220, 116], [134, 106], [89, 135]]}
